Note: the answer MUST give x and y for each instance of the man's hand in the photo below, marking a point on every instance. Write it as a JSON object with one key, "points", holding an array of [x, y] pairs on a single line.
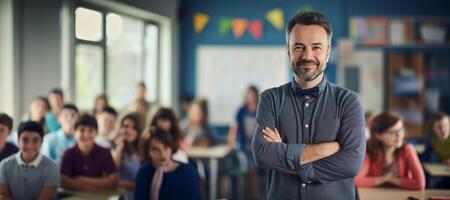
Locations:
{"points": [[271, 135]]}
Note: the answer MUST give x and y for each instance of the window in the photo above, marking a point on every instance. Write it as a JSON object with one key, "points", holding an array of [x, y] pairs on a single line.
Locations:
{"points": [[113, 52]]}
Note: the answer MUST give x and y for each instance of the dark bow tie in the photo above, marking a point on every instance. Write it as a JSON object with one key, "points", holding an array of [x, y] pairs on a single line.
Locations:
{"points": [[311, 91]]}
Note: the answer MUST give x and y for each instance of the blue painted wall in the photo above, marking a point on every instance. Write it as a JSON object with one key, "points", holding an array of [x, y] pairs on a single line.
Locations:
{"points": [[337, 11]]}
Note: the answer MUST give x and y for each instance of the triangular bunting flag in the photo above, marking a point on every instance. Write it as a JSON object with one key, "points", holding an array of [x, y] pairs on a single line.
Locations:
{"points": [[255, 28], [276, 18], [224, 26], [239, 27], [200, 21]]}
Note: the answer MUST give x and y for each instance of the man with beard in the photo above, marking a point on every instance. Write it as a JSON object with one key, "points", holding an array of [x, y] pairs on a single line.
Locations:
{"points": [[310, 132]]}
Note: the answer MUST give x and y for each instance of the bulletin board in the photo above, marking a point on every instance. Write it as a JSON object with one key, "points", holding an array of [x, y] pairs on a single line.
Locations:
{"points": [[224, 73]]}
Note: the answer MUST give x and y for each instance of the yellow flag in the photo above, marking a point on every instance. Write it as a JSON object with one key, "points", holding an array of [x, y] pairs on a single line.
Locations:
{"points": [[276, 18], [200, 21]]}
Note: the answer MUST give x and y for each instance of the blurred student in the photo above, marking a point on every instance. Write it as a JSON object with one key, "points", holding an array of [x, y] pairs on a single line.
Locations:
{"points": [[242, 131], [166, 119], [55, 143], [140, 104], [196, 128], [389, 161], [368, 116], [56, 100], [36, 113], [87, 166], [141, 94], [6, 148], [106, 127], [437, 148], [164, 178], [101, 101], [29, 174], [126, 152], [185, 104]]}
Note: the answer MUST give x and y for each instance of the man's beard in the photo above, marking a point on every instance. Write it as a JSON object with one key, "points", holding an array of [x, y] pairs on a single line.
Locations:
{"points": [[298, 70]]}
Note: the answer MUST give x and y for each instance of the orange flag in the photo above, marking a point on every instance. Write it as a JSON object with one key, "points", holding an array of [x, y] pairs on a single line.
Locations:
{"points": [[255, 28], [239, 27], [200, 21]]}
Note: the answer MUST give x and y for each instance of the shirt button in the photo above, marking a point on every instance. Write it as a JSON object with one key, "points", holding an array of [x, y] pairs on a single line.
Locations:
{"points": [[303, 185], [306, 125]]}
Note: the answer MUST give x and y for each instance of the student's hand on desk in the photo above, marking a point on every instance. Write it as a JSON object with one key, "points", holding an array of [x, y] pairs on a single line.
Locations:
{"points": [[271, 135]]}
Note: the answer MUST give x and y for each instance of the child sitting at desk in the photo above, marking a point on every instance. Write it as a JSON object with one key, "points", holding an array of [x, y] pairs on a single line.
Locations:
{"points": [[389, 161], [29, 174], [437, 149], [164, 178], [87, 166]]}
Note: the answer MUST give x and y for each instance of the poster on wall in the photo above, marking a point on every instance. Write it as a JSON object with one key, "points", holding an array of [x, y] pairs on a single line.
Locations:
{"points": [[224, 73]]}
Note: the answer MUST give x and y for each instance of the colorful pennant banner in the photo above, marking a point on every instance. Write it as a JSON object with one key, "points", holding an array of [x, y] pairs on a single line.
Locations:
{"points": [[256, 29], [224, 26], [276, 18], [200, 21], [239, 27]]}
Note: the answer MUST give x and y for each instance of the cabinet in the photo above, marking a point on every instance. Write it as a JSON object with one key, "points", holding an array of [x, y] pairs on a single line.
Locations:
{"points": [[416, 50], [405, 91]]}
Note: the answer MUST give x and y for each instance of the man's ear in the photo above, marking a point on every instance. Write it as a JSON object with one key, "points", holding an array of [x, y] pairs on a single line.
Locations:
{"points": [[328, 53]]}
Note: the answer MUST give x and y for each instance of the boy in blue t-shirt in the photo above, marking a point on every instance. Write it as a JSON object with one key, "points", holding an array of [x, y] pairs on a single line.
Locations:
{"points": [[28, 174]]}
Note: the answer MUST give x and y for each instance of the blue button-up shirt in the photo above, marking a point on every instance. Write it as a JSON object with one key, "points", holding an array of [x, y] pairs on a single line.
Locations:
{"points": [[335, 115], [55, 143]]}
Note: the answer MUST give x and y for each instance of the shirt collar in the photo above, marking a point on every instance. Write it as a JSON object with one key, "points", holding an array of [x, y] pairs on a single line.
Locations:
{"points": [[34, 163], [94, 150], [62, 135], [321, 85]]}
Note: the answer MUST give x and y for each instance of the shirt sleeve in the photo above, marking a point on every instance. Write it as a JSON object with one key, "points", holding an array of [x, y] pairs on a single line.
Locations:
{"points": [[192, 184], [411, 161], [142, 185], [270, 155], [45, 149], [363, 179], [66, 164], [351, 138], [3, 177], [109, 166], [53, 176]]}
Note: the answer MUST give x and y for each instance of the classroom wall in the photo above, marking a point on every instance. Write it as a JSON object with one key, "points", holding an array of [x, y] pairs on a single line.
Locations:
{"points": [[337, 11]]}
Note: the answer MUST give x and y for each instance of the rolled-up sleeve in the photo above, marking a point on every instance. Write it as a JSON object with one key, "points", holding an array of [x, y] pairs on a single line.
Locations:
{"points": [[351, 137], [271, 155]]}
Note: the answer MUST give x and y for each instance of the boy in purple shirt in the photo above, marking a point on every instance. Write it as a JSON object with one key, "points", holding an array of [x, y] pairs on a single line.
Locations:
{"points": [[6, 148], [87, 166]]}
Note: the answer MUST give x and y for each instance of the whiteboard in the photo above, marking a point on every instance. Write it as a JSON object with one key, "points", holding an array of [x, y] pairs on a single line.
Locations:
{"points": [[225, 72]]}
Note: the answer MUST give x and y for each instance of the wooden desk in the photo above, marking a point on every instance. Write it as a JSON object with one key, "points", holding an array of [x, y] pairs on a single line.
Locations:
{"points": [[77, 195], [435, 169], [397, 193], [213, 154]]}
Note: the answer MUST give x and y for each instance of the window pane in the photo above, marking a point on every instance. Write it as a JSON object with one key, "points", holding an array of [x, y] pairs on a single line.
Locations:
{"points": [[88, 75], [151, 61], [125, 58], [88, 24]]}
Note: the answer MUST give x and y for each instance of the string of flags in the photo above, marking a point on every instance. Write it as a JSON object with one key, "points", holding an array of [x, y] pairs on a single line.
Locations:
{"points": [[238, 26]]}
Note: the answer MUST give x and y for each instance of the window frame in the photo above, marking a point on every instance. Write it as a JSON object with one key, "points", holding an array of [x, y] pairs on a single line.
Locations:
{"points": [[103, 45]]}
